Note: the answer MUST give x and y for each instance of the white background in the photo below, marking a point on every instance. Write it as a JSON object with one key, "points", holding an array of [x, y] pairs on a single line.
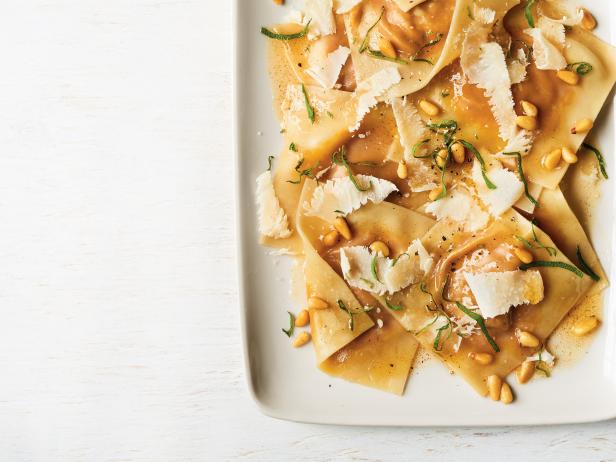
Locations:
{"points": [[119, 334]]}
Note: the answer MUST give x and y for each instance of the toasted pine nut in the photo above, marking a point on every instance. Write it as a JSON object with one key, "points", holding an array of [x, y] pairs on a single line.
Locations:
{"points": [[482, 358], [569, 156], [582, 126], [435, 193], [588, 20], [403, 170], [331, 238], [524, 255], [342, 227], [380, 247], [526, 339], [568, 77], [506, 395], [585, 326], [458, 152], [550, 161], [441, 158], [429, 108], [302, 319], [529, 108], [387, 48], [301, 339], [525, 372], [526, 122], [317, 303], [495, 383]]}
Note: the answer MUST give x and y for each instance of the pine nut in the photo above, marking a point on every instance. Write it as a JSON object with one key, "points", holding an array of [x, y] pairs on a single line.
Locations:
{"points": [[495, 383], [582, 126], [529, 108], [387, 48], [569, 156], [525, 372], [585, 326], [380, 247], [550, 161], [458, 152], [506, 395], [569, 77], [482, 358], [301, 339], [526, 339], [588, 20], [302, 319], [435, 193], [342, 227], [331, 238], [317, 303], [526, 122], [524, 255], [403, 170], [441, 158], [429, 108]]}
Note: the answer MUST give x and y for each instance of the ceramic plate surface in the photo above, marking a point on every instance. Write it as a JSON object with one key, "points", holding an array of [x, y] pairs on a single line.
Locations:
{"points": [[286, 383]]}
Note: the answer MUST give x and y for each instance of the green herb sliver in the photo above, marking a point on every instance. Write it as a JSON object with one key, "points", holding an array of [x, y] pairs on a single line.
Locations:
{"points": [[552, 264], [308, 172], [309, 108], [339, 158], [393, 307], [269, 163], [580, 68], [528, 12], [443, 192], [293, 147], [379, 55], [482, 163], [522, 177], [416, 146], [600, 159], [432, 42], [482, 325], [273, 35], [344, 308], [291, 328], [373, 268], [585, 267], [438, 345], [364, 43]]}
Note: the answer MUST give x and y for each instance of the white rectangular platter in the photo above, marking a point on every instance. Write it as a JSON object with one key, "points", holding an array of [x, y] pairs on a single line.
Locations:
{"points": [[286, 383]]}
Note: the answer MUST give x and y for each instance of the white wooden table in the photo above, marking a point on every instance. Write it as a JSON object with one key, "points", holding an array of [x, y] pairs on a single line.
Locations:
{"points": [[119, 337]]}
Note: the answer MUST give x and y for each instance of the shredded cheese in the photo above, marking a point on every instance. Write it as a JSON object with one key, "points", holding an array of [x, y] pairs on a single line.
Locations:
{"points": [[271, 217]]}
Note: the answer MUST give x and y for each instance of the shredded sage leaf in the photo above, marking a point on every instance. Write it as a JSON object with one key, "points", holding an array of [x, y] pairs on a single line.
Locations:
{"points": [[443, 192], [416, 146], [293, 147], [291, 328], [309, 108], [393, 307], [552, 264], [395, 260], [269, 163], [273, 35], [379, 55], [373, 268], [479, 158], [307, 172], [528, 12], [432, 42], [368, 281], [438, 345], [344, 308], [580, 68], [427, 326], [365, 41], [585, 267], [339, 158], [482, 324], [552, 252], [600, 159], [330, 115], [522, 177]]}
